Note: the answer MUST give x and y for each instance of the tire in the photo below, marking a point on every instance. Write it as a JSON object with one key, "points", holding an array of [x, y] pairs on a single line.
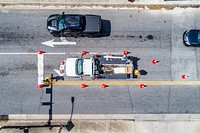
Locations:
{"points": [[89, 36], [93, 36], [56, 35]]}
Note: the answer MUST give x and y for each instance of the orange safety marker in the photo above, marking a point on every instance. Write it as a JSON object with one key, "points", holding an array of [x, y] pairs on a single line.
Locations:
{"points": [[103, 86], [184, 76], [96, 55], [40, 86], [83, 86], [109, 54], [84, 52], [154, 61], [142, 86], [126, 52], [40, 52]]}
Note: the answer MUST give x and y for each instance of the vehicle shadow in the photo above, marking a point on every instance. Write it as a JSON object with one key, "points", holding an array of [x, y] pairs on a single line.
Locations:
{"points": [[106, 28], [134, 61], [135, 66], [143, 72]]}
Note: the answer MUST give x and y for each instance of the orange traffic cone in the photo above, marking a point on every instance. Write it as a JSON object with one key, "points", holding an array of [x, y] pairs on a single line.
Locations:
{"points": [[103, 86], [142, 86], [154, 62], [40, 86], [84, 52], [126, 52], [96, 55], [83, 86], [40, 52], [184, 76]]}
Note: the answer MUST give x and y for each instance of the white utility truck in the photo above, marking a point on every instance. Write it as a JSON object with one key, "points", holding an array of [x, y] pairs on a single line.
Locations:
{"points": [[98, 66]]}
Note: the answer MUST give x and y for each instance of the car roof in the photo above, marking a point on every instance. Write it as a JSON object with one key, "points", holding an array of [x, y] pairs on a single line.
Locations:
{"points": [[73, 21]]}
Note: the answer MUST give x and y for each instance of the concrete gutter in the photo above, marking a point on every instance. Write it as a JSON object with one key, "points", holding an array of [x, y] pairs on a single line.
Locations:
{"points": [[67, 5], [129, 117]]}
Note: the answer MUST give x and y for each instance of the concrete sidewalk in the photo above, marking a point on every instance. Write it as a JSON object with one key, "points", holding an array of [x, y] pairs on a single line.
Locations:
{"points": [[106, 126], [105, 1], [85, 1], [97, 4], [131, 117], [101, 123]]}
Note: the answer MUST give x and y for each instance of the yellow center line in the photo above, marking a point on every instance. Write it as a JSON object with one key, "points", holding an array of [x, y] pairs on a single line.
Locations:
{"points": [[121, 82]]}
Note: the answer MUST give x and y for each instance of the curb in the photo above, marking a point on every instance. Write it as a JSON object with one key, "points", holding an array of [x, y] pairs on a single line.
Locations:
{"points": [[65, 5], [129, 117], [4, 117]]}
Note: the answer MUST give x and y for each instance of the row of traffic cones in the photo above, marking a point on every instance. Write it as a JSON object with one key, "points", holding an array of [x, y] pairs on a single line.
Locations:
{"points": [[184, 76], [84, 52], [102, 86], [141, 85]]}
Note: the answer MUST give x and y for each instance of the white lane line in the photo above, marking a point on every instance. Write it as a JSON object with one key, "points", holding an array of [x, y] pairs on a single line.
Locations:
{"points": [[104, 53], [56, 53], [30, 53], [18, 53]]}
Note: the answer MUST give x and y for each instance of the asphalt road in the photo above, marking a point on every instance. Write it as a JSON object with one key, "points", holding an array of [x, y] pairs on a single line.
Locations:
{"points": [[146, 34]]}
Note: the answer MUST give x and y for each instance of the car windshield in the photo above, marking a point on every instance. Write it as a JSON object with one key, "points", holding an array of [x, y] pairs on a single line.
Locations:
{"points": [[61, 22], [79, 67], [199, 37], [70, 21]]}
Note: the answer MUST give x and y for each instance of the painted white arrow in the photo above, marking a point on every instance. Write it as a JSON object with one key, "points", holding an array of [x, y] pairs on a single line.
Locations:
{"points": [[51, 43]]}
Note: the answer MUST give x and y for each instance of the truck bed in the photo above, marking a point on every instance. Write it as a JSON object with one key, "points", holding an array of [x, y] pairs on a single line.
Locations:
{"points": [[115, 67]]}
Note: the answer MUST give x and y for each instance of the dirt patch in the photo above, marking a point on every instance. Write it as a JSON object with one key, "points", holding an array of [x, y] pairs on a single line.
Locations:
{"points": [[150, 37]]}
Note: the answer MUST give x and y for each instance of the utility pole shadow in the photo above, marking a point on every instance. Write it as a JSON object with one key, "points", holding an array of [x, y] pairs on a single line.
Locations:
{"points": [[70, 124]]}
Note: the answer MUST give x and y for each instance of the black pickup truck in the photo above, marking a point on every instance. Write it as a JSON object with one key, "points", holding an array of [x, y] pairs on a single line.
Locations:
{"points": [[74, 25]]}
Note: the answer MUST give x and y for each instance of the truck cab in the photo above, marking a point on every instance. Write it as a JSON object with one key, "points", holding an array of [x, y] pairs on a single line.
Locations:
{"points": [[76, 67]]}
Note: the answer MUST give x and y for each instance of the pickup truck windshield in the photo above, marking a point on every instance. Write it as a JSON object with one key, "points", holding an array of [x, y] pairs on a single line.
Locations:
{"points": [[79, 66]]}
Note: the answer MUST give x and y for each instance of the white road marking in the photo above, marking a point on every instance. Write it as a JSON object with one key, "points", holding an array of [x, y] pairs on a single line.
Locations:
{"points": [[18, 53], [40, 69], [51, 43], [93, 53], [30, 53]]}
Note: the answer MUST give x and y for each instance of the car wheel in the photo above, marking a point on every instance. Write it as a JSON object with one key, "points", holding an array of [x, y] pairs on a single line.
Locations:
{"points": [[56, 35], [89, 36]]}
